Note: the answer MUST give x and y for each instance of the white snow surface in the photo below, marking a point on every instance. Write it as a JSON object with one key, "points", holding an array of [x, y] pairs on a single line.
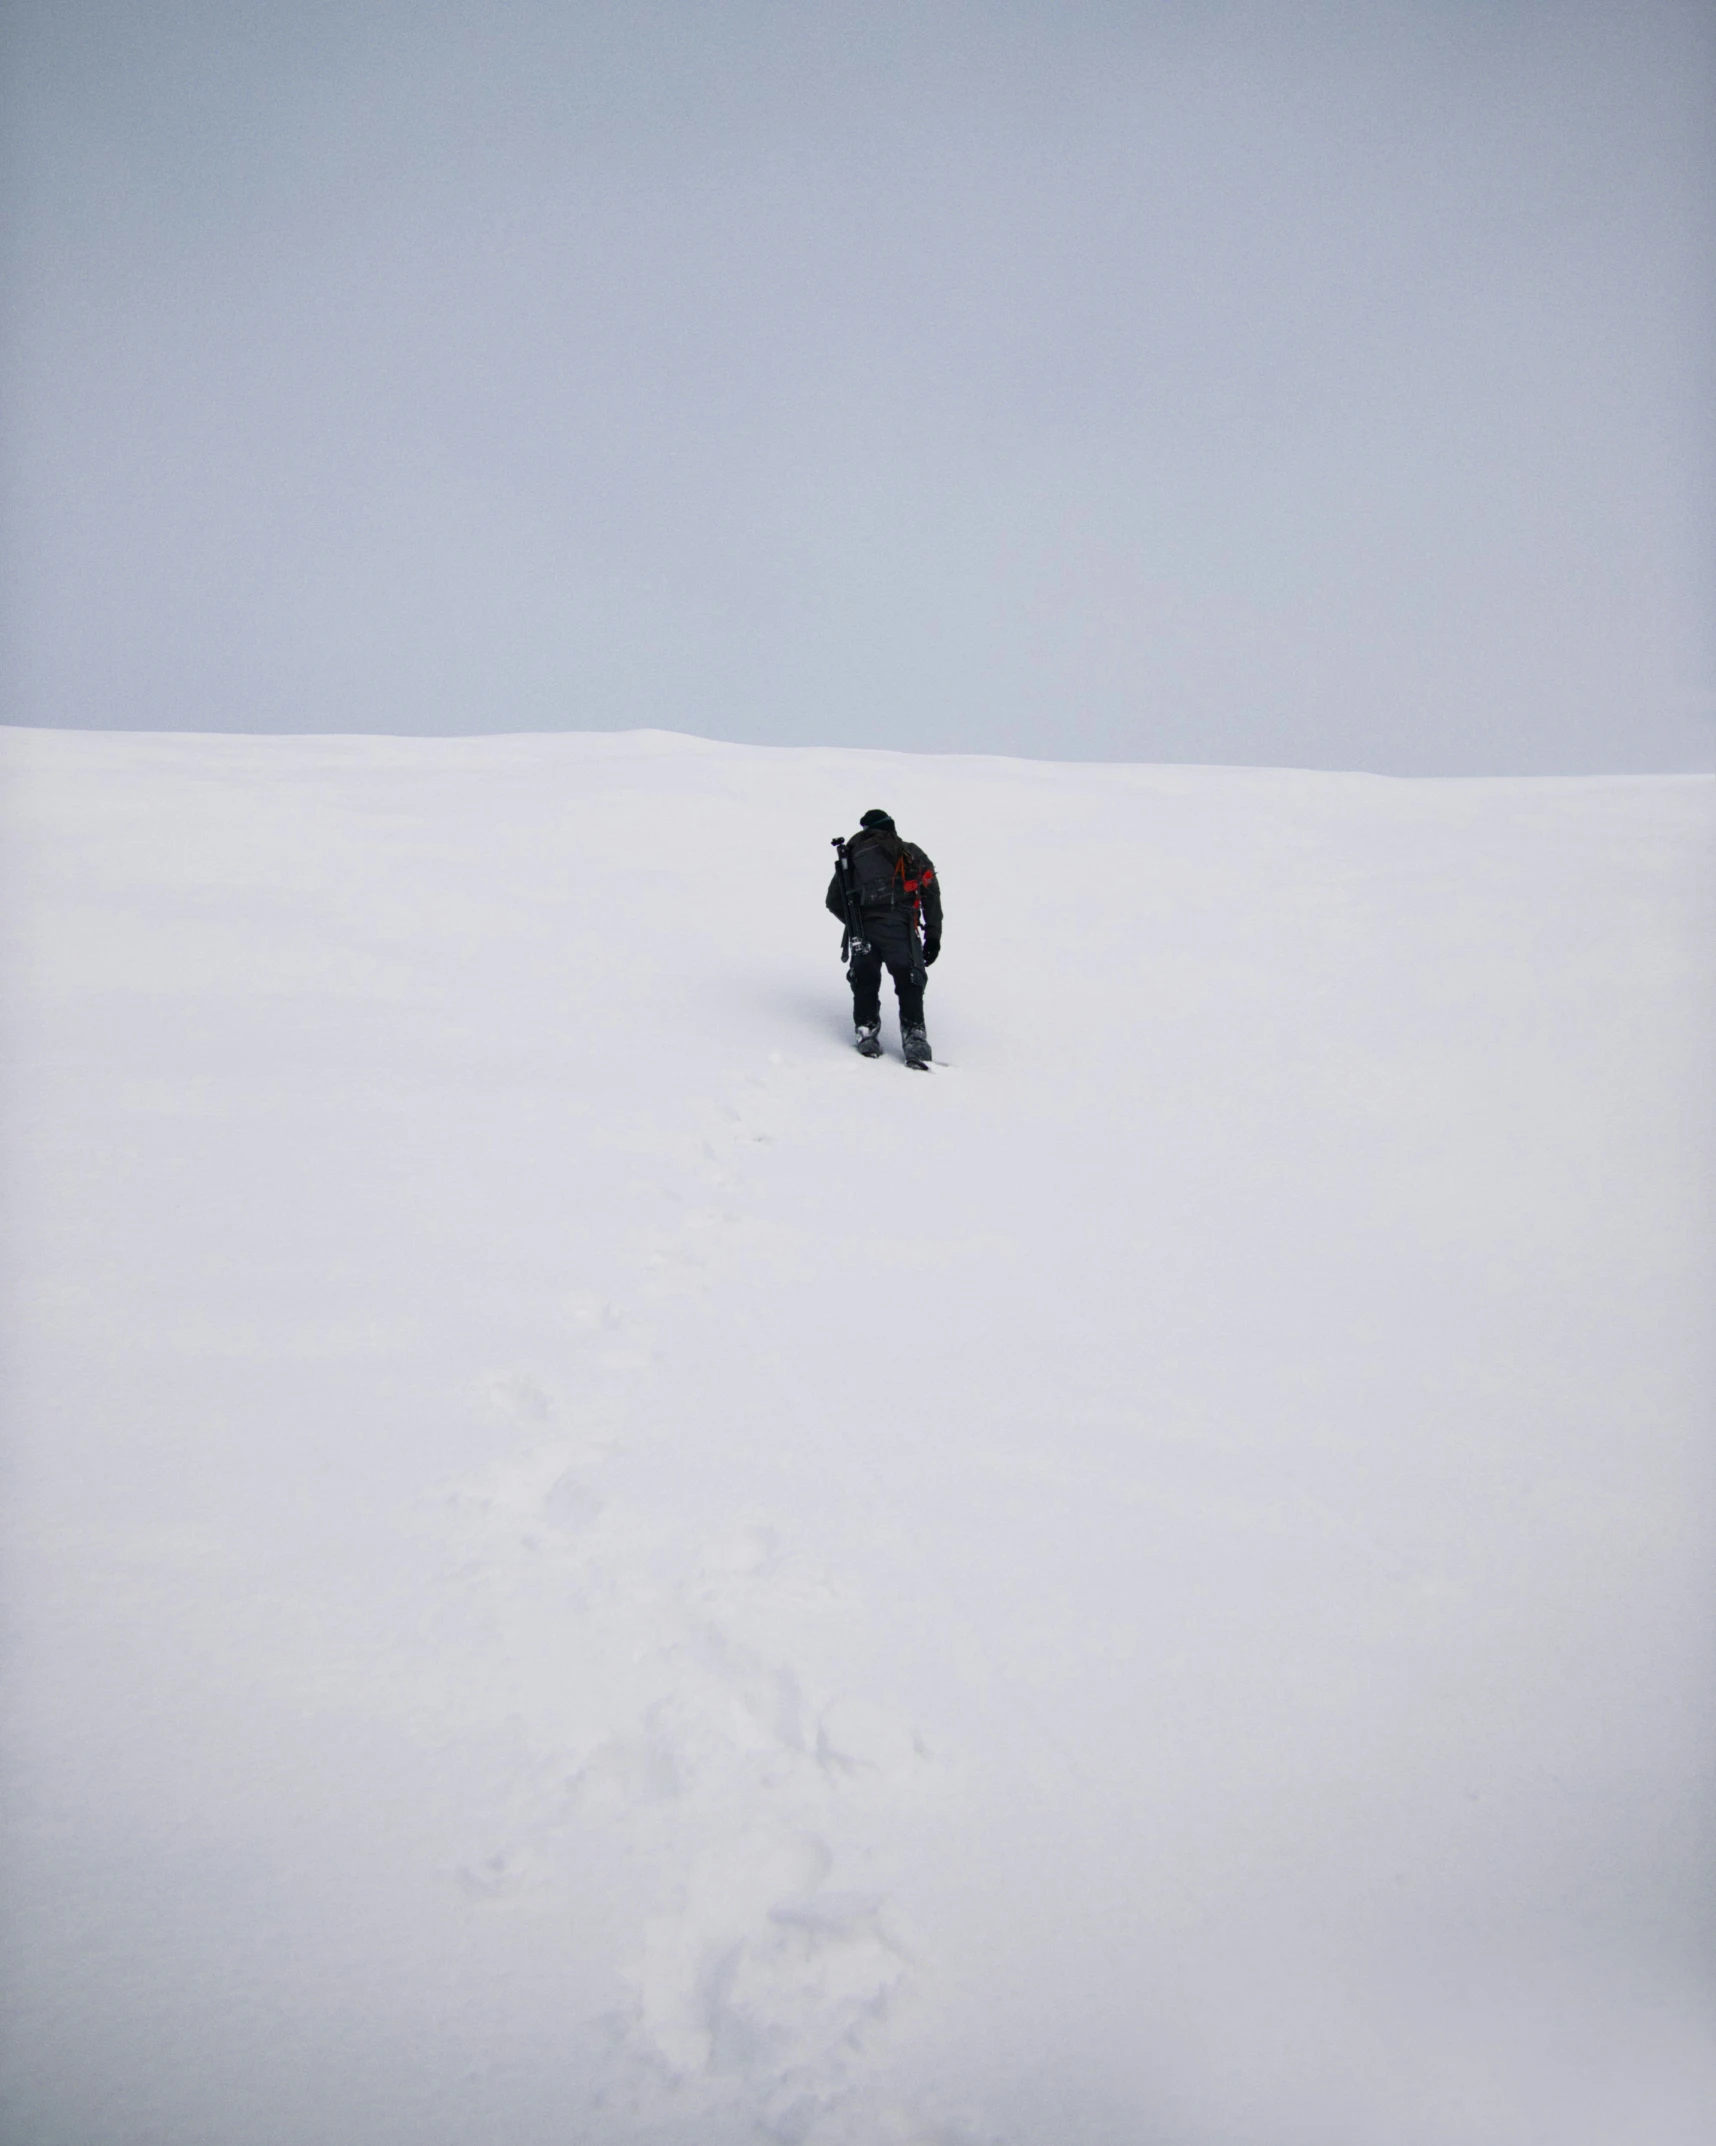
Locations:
{"points": [[584, 1566]]}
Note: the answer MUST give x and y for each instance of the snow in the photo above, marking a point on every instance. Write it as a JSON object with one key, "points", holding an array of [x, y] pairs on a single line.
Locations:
{"points": [[584, 1565]]}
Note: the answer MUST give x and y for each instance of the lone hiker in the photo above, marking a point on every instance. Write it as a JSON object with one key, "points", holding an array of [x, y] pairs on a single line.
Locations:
{"points": [[881, 890]]}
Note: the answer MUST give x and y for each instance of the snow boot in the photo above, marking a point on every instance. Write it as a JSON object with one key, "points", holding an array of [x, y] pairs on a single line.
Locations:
{"points": [[870, 1041], [917, 1050]]}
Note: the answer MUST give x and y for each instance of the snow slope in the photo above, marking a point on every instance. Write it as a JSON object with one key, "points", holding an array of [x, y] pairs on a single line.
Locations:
{"points": [[584, 1566]]}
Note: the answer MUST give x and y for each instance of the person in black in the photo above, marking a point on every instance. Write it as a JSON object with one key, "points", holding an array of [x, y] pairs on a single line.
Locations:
{"points": [[897, 889]]}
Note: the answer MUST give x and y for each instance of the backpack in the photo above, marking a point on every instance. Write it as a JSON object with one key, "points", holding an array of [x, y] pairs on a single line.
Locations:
{"points": [[884, 881]]}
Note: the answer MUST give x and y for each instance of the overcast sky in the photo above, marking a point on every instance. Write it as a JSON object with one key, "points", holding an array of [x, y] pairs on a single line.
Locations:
{"points": [[1327, 386]]}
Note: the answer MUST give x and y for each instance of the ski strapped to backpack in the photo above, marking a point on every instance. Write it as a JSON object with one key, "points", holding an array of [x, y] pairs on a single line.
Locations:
{"points": [[852, 940]]}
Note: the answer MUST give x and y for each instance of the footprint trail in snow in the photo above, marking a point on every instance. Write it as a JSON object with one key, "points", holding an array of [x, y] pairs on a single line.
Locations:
{"points": [[670, 1706]]}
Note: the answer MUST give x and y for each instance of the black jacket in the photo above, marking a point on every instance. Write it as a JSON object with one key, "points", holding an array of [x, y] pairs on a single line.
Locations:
{"points": [[894, 878]]}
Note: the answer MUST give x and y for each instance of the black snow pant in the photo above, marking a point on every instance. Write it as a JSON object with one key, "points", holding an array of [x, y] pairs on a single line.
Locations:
{"points": [[892, 939]]}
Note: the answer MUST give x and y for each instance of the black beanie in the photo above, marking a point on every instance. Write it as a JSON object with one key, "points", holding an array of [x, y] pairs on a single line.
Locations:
{"points": [[875, 817]]}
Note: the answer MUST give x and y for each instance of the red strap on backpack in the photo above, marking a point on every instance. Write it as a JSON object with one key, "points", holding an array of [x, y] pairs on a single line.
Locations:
{"points": [[911, 886]]}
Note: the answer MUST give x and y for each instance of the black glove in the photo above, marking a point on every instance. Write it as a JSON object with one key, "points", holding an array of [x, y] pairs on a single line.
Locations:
{"points": [[932, 947]]}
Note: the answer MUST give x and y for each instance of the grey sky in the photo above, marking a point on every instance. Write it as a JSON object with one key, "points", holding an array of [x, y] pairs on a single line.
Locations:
{"points": [[1318, 385]]}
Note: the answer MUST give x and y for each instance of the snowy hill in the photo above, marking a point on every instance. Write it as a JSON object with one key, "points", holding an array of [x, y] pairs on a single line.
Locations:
{"points": [[583, 1565]]}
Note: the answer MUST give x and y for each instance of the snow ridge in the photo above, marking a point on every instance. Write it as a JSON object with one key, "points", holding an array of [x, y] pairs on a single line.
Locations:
{"points": [[581, 1563]]}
